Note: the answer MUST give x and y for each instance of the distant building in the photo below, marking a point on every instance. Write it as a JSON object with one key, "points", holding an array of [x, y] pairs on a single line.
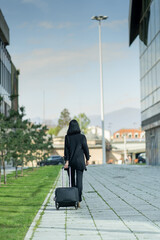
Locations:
{"points": [[8, 72], [144, 21], [127, 144], [130, 134], [98, 131]]}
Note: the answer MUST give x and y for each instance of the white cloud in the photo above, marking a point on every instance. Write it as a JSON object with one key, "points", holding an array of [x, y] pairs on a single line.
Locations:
{"points": [[45, 24], [65, 25], [62, 63], [37, 3], [64, 75], [116, 23], [27, 1], [51, 25], [23, 25]]}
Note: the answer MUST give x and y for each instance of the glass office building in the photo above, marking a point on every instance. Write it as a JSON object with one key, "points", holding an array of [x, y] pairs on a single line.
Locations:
{"points": [[144, 20], [14, 86], [8, 72], [5, 78], [5, 66]]}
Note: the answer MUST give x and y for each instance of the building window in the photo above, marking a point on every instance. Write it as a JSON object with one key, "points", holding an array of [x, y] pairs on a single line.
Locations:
{"points": [[129, 135], [117, 135], [136, 135], [143, 135]]}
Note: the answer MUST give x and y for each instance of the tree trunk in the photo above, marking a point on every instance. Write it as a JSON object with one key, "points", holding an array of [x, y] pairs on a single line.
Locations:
{"points": [[32, 166], [22, 168], [16, 173], [36, 163], [22, 171], [0, 172], [4, 172]]}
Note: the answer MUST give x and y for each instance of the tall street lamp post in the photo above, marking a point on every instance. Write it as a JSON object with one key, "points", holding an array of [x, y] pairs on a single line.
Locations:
{"points": [[99, 19]]}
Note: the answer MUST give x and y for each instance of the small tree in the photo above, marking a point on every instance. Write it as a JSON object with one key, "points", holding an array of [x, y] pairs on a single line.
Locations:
{"points": [[40, 143], [32, 132], [54, 131], [4, 130], [83, 121], [1, 143], [1, 138], [44, 143], [64, 119], [18, 138]]}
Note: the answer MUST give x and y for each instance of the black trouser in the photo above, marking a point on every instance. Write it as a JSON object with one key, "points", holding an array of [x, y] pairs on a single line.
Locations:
{"points": [[78, 182]]}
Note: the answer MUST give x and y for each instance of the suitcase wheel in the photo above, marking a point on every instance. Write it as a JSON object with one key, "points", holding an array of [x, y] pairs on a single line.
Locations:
{"points": [[76, 205], [57, 205]]}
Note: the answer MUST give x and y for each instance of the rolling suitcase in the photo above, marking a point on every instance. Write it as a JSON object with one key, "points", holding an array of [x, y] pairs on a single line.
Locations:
{"points": [[66, 196]]}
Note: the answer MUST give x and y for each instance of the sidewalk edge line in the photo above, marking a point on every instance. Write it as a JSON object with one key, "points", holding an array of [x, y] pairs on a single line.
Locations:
{"points": [[36, 220]]}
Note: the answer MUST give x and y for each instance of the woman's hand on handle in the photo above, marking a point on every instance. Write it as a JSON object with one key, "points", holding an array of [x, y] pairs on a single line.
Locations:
{"points": [[87, 162], [66, 164]]}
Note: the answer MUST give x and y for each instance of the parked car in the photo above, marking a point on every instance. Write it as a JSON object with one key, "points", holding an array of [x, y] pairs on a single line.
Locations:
{"points": [[142, 158], [52, 160]]}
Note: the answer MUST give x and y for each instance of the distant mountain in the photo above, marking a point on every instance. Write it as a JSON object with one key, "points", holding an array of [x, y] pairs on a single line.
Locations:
{"points": [[123, 118], [36, 120], [48, 122]]}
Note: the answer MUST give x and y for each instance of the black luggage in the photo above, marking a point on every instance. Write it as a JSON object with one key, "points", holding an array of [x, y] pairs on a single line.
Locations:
{"points": [[66, 196]]}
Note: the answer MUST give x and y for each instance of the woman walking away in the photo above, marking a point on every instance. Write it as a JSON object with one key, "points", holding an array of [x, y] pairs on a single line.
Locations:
{"points": [[74, 150]]}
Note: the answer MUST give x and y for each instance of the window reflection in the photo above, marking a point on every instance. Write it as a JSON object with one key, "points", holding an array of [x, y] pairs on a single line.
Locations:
{"points": [[149, 35], [5, 68]]}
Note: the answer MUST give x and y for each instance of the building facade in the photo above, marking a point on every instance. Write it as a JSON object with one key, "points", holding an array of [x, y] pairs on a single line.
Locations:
{"points": [[8, 72], [98, 131], [14, 87], [130, 134], [144, 20], [127, 144]]}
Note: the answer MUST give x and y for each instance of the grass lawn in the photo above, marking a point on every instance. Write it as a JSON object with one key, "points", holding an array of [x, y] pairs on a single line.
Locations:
{"points": [[21, 199]]}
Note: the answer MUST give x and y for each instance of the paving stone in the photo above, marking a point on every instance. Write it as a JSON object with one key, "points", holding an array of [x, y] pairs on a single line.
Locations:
{"points": [[120, 203], [147, 236]]}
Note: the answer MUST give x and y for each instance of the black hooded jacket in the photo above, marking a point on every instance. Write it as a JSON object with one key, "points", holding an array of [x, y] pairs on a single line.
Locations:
{"points": [[76, 147]]}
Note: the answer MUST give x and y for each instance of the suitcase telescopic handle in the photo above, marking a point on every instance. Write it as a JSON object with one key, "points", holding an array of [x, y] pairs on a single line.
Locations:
{"points": [[69, 168], [62, 176]]}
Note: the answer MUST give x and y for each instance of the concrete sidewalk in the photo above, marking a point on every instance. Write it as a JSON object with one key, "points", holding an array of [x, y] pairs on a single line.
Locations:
{"points": [[120, 202]]}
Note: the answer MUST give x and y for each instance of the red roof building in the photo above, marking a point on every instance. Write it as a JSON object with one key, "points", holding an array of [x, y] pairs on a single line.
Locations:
{"points": [[129, 133]]}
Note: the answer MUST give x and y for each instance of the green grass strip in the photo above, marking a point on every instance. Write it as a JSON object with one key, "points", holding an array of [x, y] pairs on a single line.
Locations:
{"points": [[21, 199]]}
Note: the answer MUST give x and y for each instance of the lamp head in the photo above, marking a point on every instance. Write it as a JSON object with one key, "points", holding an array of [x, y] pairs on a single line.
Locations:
{"points": [[99, 18]]}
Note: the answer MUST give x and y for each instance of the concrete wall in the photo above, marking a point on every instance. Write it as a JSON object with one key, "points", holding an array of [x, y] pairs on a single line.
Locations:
{"points": [[114, 157], [153, 146], [30, 164], [96, 154]]}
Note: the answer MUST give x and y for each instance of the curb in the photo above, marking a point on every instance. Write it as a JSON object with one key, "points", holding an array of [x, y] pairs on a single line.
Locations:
{"points": [[32, 228]]}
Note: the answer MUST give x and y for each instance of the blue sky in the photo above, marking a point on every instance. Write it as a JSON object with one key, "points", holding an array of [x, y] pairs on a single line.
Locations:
{"points": [[54, 43]]}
